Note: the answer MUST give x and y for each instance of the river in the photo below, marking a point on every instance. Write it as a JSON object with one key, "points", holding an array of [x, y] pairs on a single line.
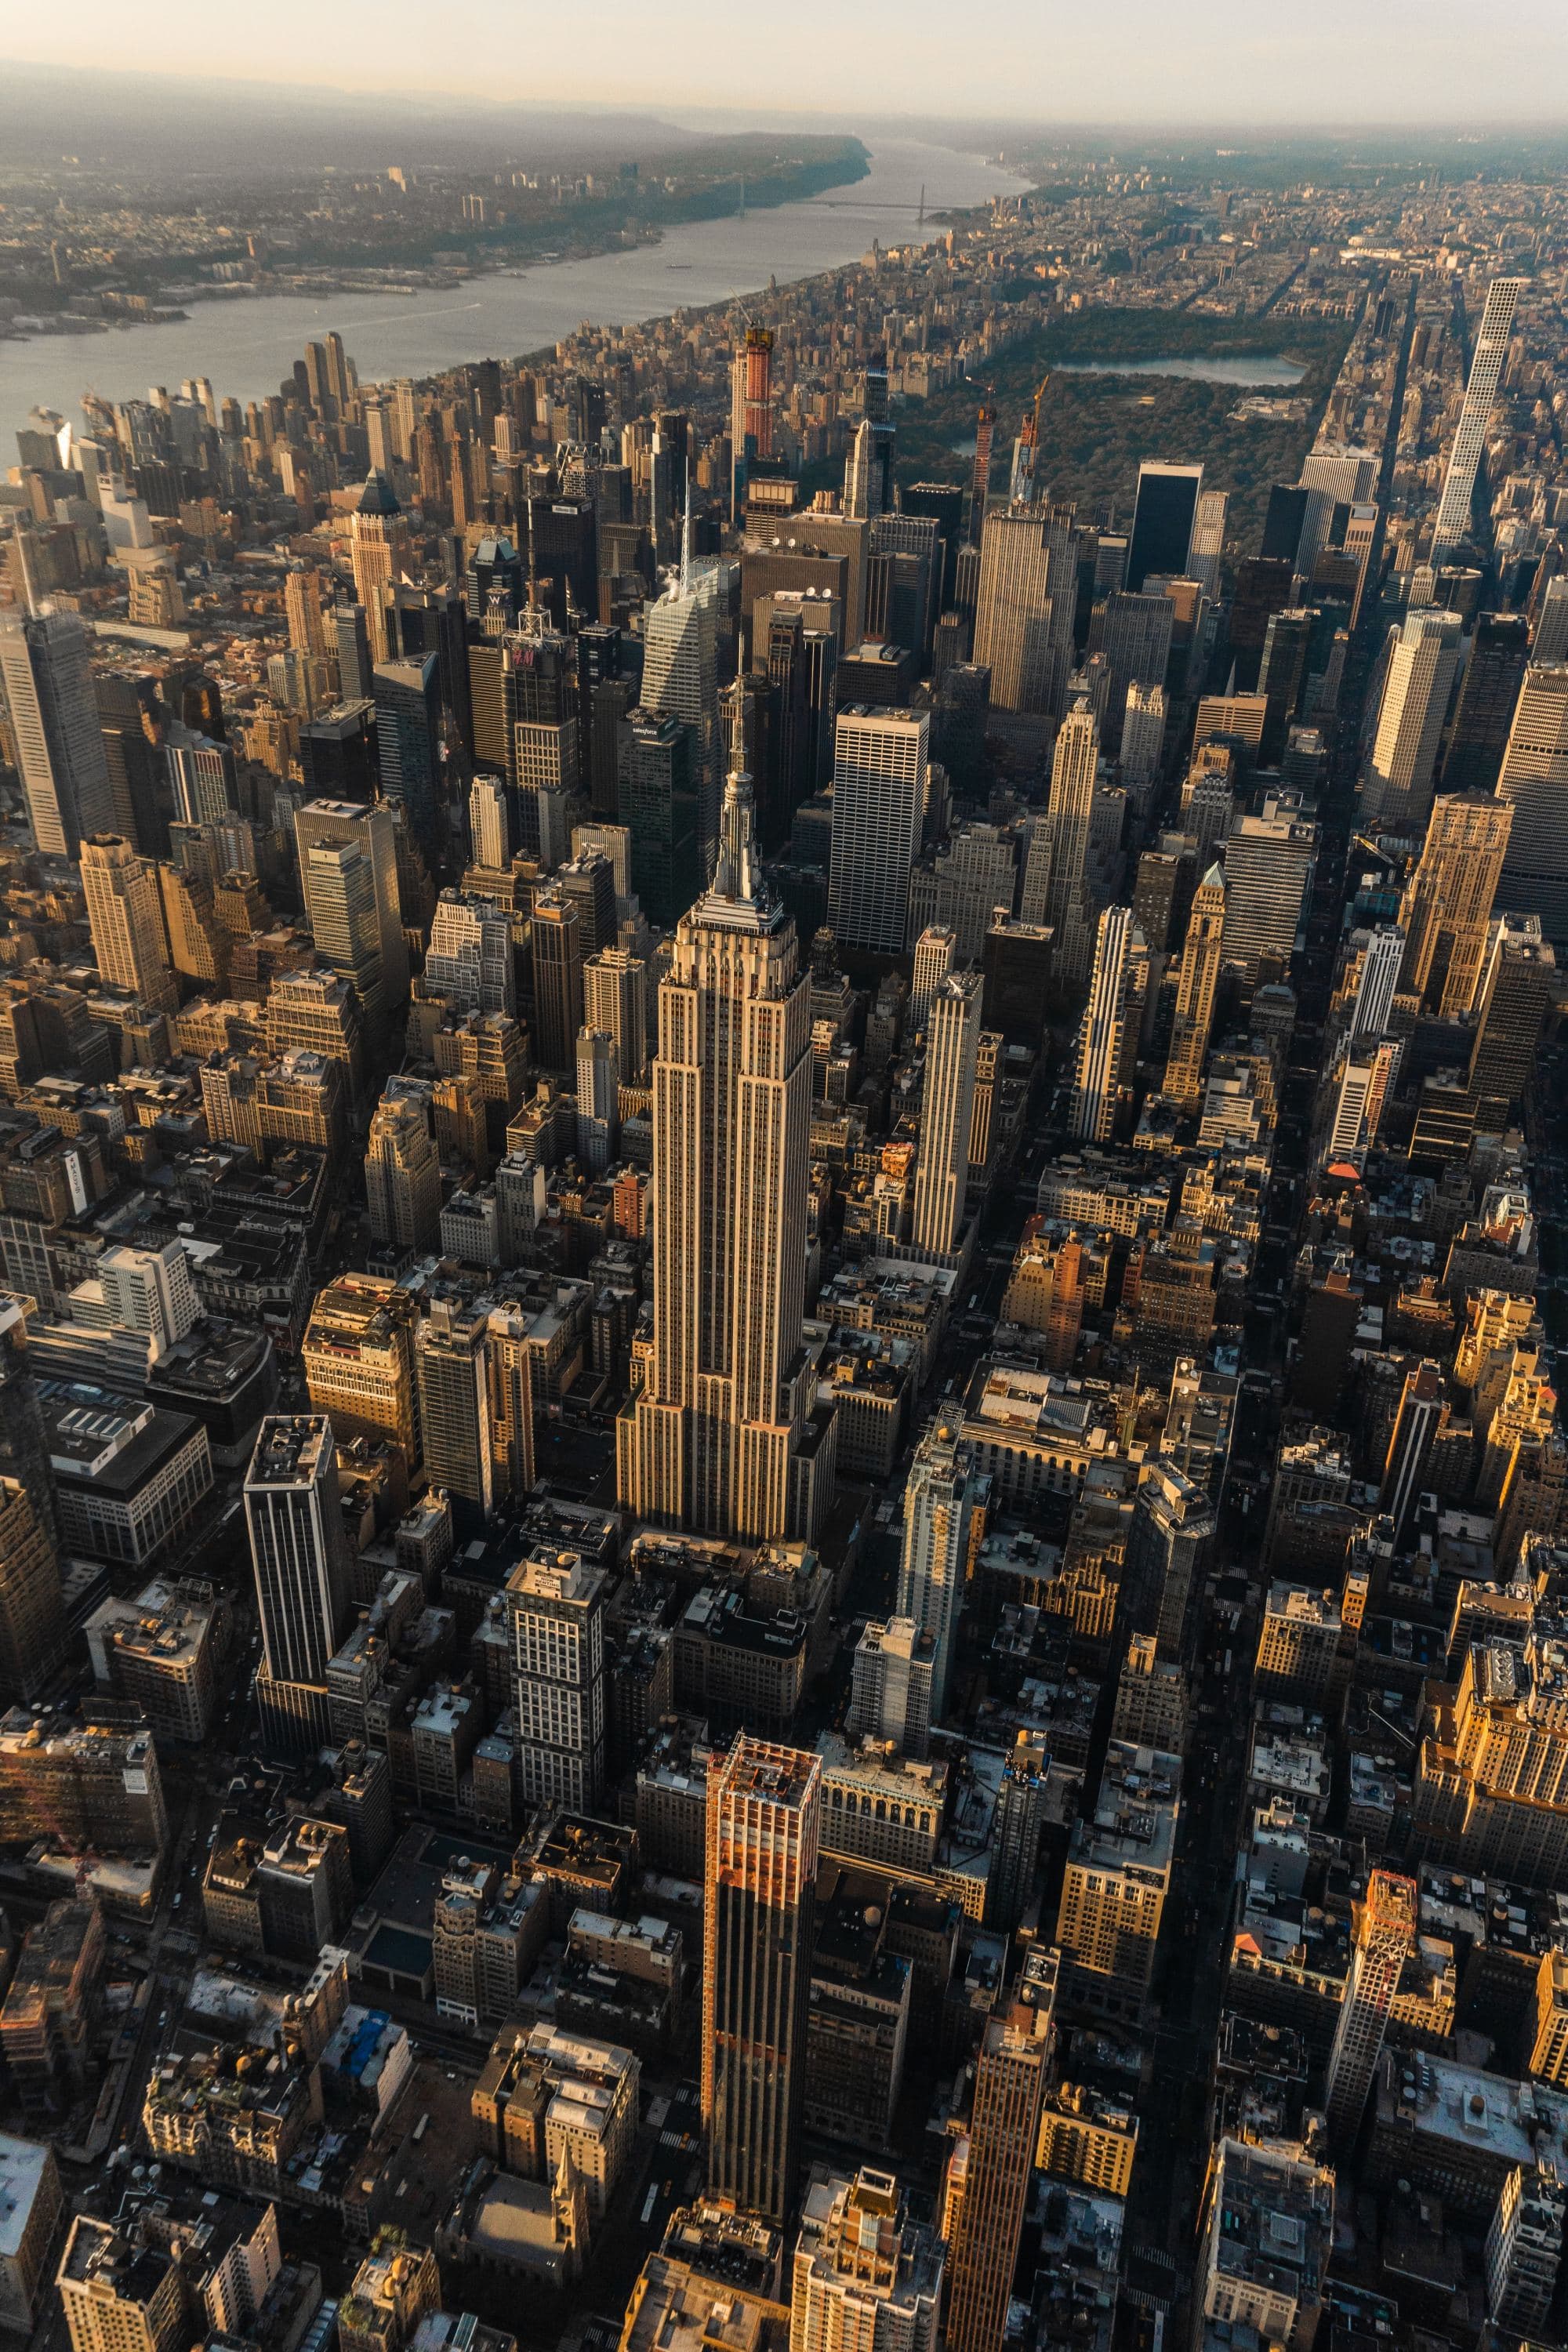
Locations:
{"points": [[248, 344]]}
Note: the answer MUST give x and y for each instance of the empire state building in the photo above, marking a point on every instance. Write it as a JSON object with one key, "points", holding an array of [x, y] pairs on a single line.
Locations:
{"points": [[721, 1437]]}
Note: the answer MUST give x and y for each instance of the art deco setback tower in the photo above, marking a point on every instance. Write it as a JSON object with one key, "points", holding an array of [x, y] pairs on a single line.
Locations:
{"points": [[1384, 1933], [1201, 959], [764, 1810], [1009, 2079], [1449, 899], [953, 1053], [711, 1439], [125, 915]]}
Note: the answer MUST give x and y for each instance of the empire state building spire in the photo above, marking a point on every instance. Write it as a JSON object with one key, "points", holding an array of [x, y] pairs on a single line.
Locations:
{"points": [[736, 875], [723, 1434]]}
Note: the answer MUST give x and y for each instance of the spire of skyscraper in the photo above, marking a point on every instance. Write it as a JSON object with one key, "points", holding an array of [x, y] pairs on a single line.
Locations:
{"points": [[687, 549], [737, 876]]}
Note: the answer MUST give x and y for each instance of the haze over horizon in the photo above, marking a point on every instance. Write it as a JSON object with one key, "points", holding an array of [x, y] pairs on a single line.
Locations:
{"points": [[1408, 63]]}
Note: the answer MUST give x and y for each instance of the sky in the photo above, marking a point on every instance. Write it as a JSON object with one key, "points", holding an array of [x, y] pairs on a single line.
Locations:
{"points": [[1267, 63]]}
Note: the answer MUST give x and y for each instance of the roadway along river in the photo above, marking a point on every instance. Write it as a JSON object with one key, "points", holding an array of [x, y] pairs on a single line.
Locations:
{"points": [[247, 345]]}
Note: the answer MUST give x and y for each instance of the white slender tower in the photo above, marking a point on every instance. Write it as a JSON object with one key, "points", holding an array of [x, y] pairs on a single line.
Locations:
{"points": [[1486, 371]]}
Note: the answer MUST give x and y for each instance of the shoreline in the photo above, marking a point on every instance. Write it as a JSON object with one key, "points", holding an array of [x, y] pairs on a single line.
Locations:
{"points": [[518, 311], [768, 196]]}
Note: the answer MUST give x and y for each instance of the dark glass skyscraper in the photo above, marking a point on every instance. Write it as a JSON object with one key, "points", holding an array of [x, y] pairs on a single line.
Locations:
{"points": [[407, 709], [657, 797], [764, 1808], [1162, 521]]}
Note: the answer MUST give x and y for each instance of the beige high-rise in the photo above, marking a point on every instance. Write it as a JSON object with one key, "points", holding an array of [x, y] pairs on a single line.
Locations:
{"points": [[942, 1171], [1200, 959], [125, 916], [614, 999], [1069, 815], [1009, 2083], [1448, 898], [713, 1439], [359, 1360], [1024, 610], [1384, 1936]]}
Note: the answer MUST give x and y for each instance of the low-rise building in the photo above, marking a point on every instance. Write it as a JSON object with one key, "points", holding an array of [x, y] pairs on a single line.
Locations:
{"points": [[162, 1652], [545, 2094], [1267, 2233], [31, 2205]]}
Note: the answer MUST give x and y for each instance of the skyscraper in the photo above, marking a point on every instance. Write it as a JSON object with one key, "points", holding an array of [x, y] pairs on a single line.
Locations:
{"points": [[1449, 899], [865, 471], [1135, 638], [953, 1046], [380, 552], [614, 1000], [1524, 2252], [1384, 1934], [1009, 2085], [543, 735], [468, 961], [358, 1357], [1455, 507], [751, 408], [449, 1364], [1019, 1825], [681, 680], [35, 1637], [935, 950], [1382, 960], [763, 1816], [1270, 859], [1024, 610], [125, 915], [1332, 476], [1534, 781], [980, 480], [402, 1168], [1516, 984], [714, 1437], [598, 1084], [656, 786], [1109, 1035], [555, 935], [866, 2277], [374, 830], [1487, 699], [880, 765], [943, 1493], [1396, 784], [1162, 521], [294, 1519], [1075, 767], [1207, 547], [490, 823], [337, 884], [407, 735], [1201, 956], [54, 717], [556, 1610]]}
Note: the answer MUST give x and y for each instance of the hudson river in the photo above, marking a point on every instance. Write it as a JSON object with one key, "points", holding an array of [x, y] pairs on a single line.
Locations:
{"points": [[248, 344]]}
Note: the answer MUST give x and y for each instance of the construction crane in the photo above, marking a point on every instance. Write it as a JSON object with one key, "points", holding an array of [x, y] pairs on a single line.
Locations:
{"points": [[1022, 490]]}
